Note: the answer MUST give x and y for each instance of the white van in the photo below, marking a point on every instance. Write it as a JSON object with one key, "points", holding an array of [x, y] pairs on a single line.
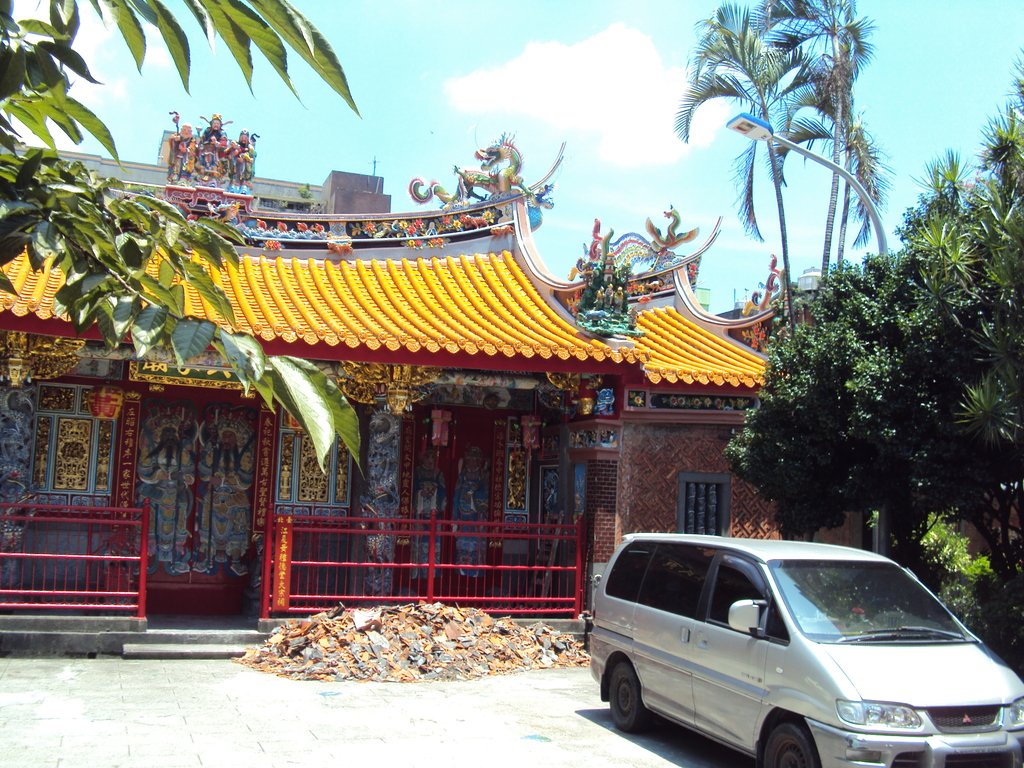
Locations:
{"points": [[799, 654]]}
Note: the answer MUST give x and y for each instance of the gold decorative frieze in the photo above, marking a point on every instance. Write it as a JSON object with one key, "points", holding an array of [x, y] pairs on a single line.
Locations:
{"points": [[57, 398], [25, 357], [399, 385]]}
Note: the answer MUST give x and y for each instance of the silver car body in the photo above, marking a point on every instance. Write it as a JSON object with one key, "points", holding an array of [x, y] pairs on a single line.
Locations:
{"points": [[734, 685]]}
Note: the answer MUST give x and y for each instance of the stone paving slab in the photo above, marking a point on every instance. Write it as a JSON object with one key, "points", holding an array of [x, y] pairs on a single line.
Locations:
{"points": [[120, 713]]}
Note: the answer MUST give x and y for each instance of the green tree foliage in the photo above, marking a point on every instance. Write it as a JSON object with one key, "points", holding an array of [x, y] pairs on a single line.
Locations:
{"points": [[905, 393], [126, 258], [858, 412]]}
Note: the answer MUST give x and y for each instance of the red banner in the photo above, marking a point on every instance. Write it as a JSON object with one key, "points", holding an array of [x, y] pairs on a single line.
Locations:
{"points": [[283, 564], [128, 445], [408, 468], [498, 471], [264, 475]]}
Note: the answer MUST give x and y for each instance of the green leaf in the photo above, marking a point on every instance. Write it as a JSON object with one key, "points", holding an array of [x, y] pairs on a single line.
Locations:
{"points": [[265, 38], [148, 328], [131, 251], [308, 42], [191, 338], [93, 125], [123, 315], [12, 71], [167, 273], [6, 286], [46, 240], [316, 403], [69, 58], [236, 40], [200, 279], [130, 29], [245, 355], [175, 40]]}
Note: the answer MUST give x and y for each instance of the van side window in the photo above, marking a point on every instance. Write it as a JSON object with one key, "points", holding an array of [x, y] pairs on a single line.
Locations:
{"points": [[628, 571], [731, 585], [676, 577]]}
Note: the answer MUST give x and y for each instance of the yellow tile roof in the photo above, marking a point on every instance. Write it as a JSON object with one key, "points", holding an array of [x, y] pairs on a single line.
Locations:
{"points": [[481, 304], [677, 349]]}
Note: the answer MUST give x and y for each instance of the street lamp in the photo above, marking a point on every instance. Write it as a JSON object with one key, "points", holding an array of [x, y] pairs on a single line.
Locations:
{"points": [[759, 130]]}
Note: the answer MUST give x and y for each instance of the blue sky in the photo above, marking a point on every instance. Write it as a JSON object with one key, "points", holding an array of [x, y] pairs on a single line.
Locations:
{"points": [[435, 81]]}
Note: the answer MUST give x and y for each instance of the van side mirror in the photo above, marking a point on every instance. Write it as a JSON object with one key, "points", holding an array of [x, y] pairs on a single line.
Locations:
{"points": [[745, 617]]}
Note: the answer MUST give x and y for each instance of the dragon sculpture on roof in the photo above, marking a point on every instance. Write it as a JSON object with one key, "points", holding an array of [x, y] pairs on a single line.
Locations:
{"points": [[499, 175]]}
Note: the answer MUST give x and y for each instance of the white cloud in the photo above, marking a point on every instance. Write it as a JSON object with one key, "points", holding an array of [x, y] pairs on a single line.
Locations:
{"points": [[613, 86]]}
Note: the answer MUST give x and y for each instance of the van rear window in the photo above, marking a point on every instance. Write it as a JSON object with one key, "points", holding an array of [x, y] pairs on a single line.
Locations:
{"points": [[628, 572]]}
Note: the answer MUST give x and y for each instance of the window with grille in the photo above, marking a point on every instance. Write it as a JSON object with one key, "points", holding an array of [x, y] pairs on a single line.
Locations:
{"points": [[703, 505]]}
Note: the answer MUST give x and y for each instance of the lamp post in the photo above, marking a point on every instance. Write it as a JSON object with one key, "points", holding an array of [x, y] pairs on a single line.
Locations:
{"points": [[759, 130], [756, 129]]}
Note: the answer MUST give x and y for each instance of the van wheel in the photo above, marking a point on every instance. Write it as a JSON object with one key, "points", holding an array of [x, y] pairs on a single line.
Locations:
{"points": [[791, 746], [628, 710]]}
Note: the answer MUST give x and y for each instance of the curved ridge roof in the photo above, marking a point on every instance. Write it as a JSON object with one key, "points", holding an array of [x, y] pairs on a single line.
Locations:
{"points": [[678, 350], [475, 304]]}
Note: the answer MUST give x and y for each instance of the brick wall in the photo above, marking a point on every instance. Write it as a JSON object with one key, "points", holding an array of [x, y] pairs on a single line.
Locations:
{"points": [[602, 493], [651, 458]]}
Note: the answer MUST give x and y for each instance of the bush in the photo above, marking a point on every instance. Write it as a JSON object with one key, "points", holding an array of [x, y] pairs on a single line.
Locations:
{"points": [[993, 609]]}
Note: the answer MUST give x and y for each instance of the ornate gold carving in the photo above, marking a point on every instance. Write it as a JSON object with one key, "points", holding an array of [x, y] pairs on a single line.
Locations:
{"points": [[43, 425], [55, 398], [284, 487], [341, 477], [566, 381], [71, 467], [132, 395], [106, 430], [26, 356], [515, 497], [399, 385], [312, 479]]}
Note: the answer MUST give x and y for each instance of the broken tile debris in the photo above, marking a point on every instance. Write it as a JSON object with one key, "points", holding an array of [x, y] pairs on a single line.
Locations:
{"points": [[411, 643]]}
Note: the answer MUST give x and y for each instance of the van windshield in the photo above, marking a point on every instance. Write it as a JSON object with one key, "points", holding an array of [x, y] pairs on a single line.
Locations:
{"points": [[850, 601]]}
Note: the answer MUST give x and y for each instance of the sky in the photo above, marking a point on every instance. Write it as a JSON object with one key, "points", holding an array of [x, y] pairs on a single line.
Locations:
{"points": [[435, 81]]}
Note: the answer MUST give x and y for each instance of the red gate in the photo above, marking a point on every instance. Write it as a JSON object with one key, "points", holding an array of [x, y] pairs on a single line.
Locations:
{"points": [[317, 562], [73, 558]]}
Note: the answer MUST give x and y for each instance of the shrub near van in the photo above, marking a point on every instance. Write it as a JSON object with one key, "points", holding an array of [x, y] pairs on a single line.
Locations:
{"points": [[799, 654]]}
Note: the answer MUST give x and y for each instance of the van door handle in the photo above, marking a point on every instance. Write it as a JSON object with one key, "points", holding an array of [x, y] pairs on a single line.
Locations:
{"points": [[684, 634]]}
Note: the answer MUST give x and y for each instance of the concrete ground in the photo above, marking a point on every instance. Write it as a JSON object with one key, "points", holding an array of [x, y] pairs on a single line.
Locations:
{"points": [[116, 713]]}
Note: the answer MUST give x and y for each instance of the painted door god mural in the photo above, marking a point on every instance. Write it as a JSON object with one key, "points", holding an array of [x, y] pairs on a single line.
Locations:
{"points": [[224, 512], [166, 474], [470, 503], [429, 498]]}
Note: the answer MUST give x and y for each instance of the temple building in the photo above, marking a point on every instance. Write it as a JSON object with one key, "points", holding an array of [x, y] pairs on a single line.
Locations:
{"points": [[514, 424]]}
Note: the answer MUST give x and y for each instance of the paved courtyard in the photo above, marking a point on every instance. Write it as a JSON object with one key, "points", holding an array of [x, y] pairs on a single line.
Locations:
{"points": [[113, 713]]}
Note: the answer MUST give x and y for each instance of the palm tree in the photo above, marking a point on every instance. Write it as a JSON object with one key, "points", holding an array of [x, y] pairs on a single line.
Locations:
{"points": [[835, 46], [863, 159], [734, 61]]}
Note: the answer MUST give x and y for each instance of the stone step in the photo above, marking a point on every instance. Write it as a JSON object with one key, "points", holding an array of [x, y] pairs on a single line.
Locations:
{"points": [[181, 651]]}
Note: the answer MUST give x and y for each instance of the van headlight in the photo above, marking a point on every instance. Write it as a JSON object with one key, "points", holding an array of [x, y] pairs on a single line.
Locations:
{"points": [[1015, 714], [877, 714]]}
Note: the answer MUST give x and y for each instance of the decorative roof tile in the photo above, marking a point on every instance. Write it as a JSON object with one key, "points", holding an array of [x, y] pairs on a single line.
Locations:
{"points": [[678, 350]]}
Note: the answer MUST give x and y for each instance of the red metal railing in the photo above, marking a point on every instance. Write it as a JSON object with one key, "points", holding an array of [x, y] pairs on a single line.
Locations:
{"points": [[73, 558], [527, 569]]}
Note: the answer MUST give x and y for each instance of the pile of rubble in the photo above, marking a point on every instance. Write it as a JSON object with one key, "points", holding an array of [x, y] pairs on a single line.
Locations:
{"points": [[409, 643]]}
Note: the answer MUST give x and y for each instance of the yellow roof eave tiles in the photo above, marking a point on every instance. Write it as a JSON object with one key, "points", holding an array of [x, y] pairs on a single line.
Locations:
{"points": [[680, 350], [481, 304]]}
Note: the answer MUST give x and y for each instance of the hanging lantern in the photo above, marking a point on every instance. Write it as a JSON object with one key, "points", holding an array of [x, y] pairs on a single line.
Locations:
{"points": [[105, 402], [531, 433], [291, 422], [439, 432]]}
